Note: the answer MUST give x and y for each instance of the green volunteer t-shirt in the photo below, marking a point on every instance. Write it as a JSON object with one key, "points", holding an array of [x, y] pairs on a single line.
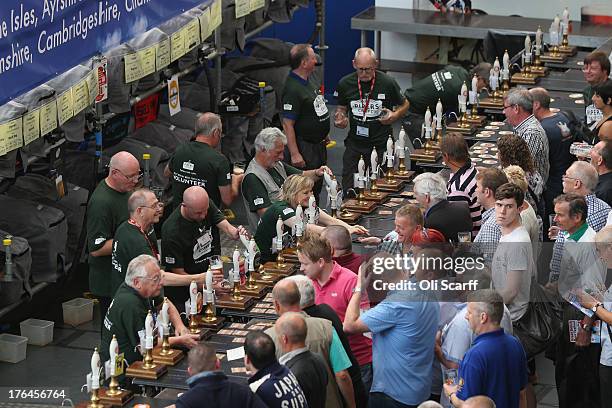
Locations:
{"points": [[188, 244], [106, 210], [198, 164], [266, 230], [444, 85], [386, 93], [125, 318], [129, 242], [255, 192], [304, 104]]}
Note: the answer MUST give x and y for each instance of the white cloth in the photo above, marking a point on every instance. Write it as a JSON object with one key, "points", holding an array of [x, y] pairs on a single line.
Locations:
{"points": [[529, 219], [514, 253]]}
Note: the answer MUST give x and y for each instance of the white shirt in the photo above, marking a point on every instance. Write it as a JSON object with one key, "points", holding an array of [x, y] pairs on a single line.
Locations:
{"points": [[514, 253]]}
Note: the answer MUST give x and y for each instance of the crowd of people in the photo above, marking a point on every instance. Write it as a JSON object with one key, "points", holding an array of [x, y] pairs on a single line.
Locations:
{"points": [[381, 330]]}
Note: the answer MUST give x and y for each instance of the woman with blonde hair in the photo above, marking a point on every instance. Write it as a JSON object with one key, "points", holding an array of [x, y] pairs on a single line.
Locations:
{"points": [[529, 219], [296, 190]]}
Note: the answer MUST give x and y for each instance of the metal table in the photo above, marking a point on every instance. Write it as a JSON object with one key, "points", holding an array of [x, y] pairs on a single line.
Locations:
{"points": [[425, 22]]}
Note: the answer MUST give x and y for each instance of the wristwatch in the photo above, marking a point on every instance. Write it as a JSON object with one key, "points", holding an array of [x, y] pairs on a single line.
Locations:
{"points": [[594, 308], [356, 290]]}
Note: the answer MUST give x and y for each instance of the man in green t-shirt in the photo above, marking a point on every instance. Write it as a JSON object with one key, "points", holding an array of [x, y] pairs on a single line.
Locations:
{"points": [[375, 102], [106, 210], [266, 173], [140, 293], [305, 114], [444, 85], [136, 236], [190, 236], [197, 163]]}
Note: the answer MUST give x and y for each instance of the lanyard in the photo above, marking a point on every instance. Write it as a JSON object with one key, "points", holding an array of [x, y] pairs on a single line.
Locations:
{"points": [[367, 101], [151, 246]]}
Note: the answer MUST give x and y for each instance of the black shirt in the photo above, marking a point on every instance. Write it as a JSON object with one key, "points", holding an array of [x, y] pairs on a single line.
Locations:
{"points": [[603, 190]]}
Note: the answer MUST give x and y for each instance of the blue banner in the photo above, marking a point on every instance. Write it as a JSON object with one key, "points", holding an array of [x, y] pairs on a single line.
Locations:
{"points": [[40, 39]]}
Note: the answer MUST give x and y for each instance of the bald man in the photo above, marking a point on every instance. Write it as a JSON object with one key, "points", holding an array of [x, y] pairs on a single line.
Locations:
{"points": [[309, 368], [106, 210], [190, 236], [198, 163], [342, 247], [376, 93], [479, 401]]}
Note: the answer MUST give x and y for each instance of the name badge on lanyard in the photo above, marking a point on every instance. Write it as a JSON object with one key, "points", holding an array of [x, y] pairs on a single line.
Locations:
{"points": [[362, 131]]}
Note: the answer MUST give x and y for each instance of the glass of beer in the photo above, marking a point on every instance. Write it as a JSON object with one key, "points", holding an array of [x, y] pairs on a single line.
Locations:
{"points": [[239, 168], [465, 236], [216, 266], [450, 376]]}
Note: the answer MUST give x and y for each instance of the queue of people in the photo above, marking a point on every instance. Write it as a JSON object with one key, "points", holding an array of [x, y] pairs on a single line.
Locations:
{"points": [[350, 333]]}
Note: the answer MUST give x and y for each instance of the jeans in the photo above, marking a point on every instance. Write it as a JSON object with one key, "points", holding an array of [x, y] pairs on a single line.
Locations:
{"points": [[366, 376], [381, 400]]}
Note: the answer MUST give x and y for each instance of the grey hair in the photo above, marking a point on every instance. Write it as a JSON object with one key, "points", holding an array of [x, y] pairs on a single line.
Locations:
{"points": [[306, 288], [367, 50], [137, 268], [481, 70], [489, 302], [432, 184], [266, 139], [138, 199], [207, 123], [430, 404], [586, 173], [540, 95], [520, 97]]}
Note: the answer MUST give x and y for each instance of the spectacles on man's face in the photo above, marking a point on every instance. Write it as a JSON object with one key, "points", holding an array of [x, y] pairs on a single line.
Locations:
{"points": [[566, 177], [364, 69], [155, 280], [133, 178], [509, 106], [155, 206]]}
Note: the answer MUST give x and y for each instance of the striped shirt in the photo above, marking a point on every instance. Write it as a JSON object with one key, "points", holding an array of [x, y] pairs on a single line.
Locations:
{"points": [[461, 186], [534, 134], [597, 216]]}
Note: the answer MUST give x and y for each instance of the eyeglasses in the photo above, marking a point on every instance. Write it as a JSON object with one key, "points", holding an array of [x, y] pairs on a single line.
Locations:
{"points": [[155, 206], [509, 106], [155, 280], [135, 178], [566, 177], [365, 69]]}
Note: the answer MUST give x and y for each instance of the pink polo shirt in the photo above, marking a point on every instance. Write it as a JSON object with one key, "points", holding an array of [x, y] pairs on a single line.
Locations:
{"points": [[337, 293]]}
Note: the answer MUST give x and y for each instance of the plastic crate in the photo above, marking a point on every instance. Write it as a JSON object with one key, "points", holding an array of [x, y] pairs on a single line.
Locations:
{"points": [[12, 348], [78, 311], [38, 332]]}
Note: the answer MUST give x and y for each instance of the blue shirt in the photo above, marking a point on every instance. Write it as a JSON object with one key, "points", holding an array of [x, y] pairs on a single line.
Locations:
{"points": [[403, 330], [495, 366]]}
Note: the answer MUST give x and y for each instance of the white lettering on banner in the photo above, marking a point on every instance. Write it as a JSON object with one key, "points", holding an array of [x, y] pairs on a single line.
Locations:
{"points": [[374, 108], [80, 26], [130, 5]]}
